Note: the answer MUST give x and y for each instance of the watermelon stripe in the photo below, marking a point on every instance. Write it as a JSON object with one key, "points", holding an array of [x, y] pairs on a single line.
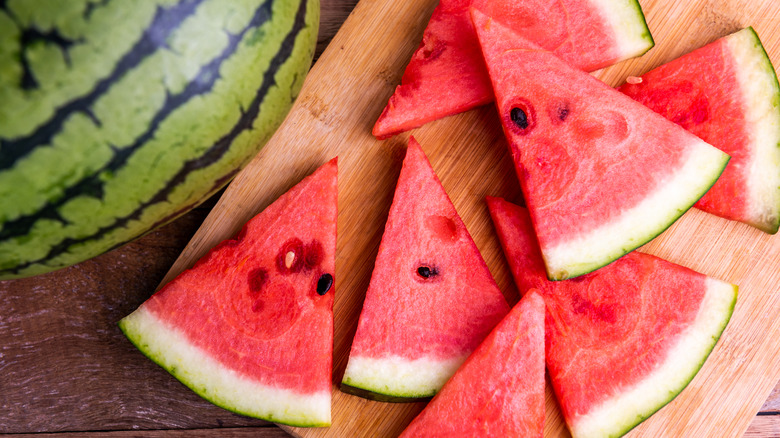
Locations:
{"points": [[201, 84], [35, 36], [92, 7], [214, 152], [165, 22]]}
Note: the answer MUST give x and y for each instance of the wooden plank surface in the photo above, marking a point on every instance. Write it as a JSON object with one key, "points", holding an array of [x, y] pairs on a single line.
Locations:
{"points": [[342, 98], [66, 369]]}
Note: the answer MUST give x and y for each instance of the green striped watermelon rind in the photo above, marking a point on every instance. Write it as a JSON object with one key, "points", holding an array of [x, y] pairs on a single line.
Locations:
{"points": [[397, 379], [761, 91], [171, 350], [610, 241], [115, 163], [376, 396], [619, 415]]}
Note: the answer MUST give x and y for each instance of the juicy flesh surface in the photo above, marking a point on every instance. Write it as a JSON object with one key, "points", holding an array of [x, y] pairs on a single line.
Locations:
{"points": [[207, 376], [446, 75], [615, 329], [499, 390], [407, 316], [723, 93], [273, 327], [588, 158]]}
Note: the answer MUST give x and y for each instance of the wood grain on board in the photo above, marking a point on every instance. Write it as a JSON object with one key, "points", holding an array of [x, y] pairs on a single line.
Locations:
{"points": [[342, 97]]}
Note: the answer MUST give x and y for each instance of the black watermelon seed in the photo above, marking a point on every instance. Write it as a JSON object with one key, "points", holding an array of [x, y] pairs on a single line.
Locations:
{"points": [[427, 272], [324, 284], [519, 117]]}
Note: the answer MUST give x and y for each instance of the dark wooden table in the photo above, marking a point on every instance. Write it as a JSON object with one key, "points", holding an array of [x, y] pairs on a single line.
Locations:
{"points": [[66, 369]]}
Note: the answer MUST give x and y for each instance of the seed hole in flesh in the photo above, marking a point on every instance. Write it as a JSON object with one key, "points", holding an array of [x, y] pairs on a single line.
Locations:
{"points": [[312, 254], [558, 110], [432, 48], [442, 227], [563, 112], [324, 284], [289, 260], [256, 279]]}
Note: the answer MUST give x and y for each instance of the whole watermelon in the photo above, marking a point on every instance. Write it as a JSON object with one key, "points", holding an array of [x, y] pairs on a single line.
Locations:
{"points": [[117, 117]]}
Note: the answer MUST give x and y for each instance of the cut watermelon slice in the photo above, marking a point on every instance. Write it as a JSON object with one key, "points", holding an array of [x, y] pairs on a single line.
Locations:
{"points": [[499, 390], [447, 75], [250, 326], [623, 341], [600, 173], [431, 299], [727, 94]]}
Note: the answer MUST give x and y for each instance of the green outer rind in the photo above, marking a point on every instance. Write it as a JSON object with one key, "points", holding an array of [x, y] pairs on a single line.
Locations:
{"points": [[624, 425], [376, 396], [756, 53], [156, 184], [555, 273], [148, 334]]}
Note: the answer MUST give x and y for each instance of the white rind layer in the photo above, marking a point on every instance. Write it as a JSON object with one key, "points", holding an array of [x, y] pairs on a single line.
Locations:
{"points": [[758, 82], [639, 224], [170, 349], [626, 18], [400, 377], [620, 414]]}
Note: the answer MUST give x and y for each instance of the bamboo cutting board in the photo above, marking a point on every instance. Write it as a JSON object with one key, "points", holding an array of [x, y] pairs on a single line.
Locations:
{"points": [[345, 93]]}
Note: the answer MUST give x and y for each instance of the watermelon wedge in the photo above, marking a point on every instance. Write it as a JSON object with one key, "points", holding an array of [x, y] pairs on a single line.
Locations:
{"points": [[446, 75], [499, 390], [250, 326], [431, 299], [622, 341], [727, 94], [600, 173]]}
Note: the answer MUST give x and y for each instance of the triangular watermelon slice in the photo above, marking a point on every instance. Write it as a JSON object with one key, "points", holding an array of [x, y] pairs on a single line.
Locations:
{"points": [[447, 75], [250, 326], [622, 341], [600, 173], [499, 390], [431, 299], [727, 94]]}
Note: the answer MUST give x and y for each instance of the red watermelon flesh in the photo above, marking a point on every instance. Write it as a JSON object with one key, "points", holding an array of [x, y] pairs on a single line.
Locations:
{"points": [[250, 326], [622, 341], [431, 299], [499, 390], [446, 75], [727, 94], [600, 173]]}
